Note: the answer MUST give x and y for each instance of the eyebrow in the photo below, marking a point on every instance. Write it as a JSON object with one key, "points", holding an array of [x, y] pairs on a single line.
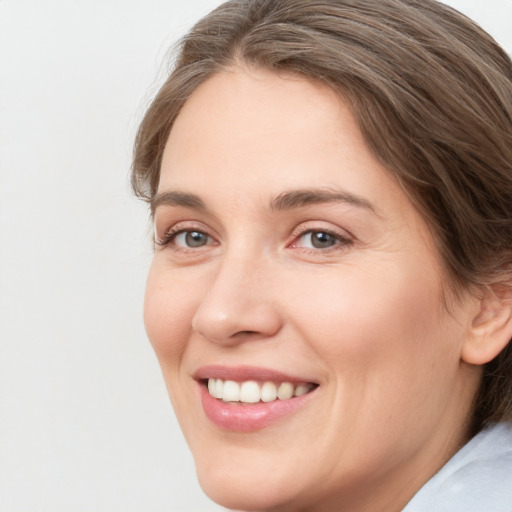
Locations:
{"points": [[305, 197], [172, 198], [284, 201]]}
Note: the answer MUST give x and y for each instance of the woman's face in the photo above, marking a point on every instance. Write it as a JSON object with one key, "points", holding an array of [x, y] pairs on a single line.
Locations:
{"points": [[287, 255]]}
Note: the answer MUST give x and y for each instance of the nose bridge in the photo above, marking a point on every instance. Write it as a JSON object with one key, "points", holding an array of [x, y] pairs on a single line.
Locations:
{"points": [[232, 281], [239, 300]]}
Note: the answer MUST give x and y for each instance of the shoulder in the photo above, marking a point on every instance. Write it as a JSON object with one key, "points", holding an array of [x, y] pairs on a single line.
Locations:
{"points": [[478, 478]]}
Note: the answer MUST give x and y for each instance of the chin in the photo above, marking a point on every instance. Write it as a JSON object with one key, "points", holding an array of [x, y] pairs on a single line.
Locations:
{"points": [[254, 485], [253, 493]]}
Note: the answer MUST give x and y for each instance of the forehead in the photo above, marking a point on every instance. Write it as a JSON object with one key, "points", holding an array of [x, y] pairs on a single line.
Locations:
{"points": [[244, 111], [246, 136], [253, 125]]}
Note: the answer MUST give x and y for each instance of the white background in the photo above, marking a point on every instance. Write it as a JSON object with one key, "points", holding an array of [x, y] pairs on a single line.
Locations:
{"points": [[85, 423]]}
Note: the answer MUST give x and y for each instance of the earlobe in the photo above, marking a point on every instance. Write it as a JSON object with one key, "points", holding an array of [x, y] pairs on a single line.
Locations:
{"points": [[491, 328]]}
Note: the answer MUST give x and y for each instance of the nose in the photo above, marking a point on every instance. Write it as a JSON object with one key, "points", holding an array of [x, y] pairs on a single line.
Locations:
{"points": [[239, 305]]}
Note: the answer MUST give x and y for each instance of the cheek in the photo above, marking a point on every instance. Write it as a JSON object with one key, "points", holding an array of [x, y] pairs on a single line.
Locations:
{"points": [[168, 311], [390, 352], [364, 320]]}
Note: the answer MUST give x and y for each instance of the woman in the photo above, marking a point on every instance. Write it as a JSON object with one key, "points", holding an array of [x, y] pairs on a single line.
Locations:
{"points": [[330, 298]]}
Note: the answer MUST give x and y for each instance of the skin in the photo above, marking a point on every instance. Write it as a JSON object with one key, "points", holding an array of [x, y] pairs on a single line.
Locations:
{"points": [[363, 317]]}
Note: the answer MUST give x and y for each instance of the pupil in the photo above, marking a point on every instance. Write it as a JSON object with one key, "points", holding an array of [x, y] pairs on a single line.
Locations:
{"points": [[322, 240], [195, 239]]}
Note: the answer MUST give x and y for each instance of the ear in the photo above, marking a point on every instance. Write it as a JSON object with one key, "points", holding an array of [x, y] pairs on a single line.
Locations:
{"points": [[491, 328]]}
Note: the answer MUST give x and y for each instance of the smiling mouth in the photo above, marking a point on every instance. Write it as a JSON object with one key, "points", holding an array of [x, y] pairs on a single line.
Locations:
{"points": [[252, 392], [245, 399]]}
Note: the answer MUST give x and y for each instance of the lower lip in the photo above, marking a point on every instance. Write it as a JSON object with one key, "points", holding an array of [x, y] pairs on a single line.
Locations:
{"points": [[248, 418]]}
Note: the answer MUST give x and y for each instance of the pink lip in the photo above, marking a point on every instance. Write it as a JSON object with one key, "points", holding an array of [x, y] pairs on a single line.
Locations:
{"points": [[241, 373], [246, 418]]}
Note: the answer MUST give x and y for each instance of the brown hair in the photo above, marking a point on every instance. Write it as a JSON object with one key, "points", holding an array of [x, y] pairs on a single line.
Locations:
{"points": [[432, 93]]}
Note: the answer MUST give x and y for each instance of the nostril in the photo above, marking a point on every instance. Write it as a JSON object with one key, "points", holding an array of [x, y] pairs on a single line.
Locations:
{"points": [[241, 336]]}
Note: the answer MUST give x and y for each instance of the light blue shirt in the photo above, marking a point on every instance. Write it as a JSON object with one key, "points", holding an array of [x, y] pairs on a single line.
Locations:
{"points": [[478, 478]]}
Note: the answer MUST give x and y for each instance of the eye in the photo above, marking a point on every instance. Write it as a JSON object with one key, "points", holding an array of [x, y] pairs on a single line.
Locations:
{"points": [[191, 239], [320, 239], [183, 239]]}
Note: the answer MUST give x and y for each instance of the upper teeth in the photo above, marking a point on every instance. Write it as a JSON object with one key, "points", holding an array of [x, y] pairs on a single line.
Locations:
{"points": [[251, 391]]}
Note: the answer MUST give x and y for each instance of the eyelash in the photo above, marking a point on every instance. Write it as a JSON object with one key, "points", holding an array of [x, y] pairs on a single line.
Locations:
{"points": [[341, 241], [170, 236]]}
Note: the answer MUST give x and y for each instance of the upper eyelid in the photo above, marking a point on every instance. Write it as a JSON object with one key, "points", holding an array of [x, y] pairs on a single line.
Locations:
{"points": [[319, 225], [322, 230], [188, 225]]}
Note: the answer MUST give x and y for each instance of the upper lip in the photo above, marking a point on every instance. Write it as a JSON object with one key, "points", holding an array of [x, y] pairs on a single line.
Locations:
{"points": [[244, 373]]}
